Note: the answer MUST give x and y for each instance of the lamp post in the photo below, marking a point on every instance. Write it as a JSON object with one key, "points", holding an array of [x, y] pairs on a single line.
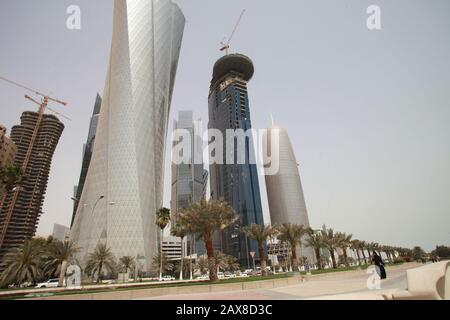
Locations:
{"points": [[92, 207]]}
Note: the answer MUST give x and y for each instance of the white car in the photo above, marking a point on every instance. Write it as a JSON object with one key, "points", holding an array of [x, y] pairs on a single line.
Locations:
{"points": [[229, 275], [203, 277], [52, 283], [167, 278]]}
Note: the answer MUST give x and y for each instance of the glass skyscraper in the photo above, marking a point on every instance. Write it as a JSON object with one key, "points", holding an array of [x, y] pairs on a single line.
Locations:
{"points": [[188, 177], [235, 183], [124, 183], [87, 154]]}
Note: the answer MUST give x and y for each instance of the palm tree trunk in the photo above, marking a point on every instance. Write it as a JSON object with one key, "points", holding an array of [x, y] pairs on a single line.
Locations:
{"points": [[262, 258], [294, 258], [211, 263], [364, 256], [357, 255], [317, 251], [161, 255], [182, 258], [345, 257], [190, 258], [333, 258], [100, 267], [62, 273]]}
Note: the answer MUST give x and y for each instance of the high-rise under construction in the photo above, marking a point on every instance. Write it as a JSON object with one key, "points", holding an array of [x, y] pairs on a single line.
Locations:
{"points": [[22, 207]]}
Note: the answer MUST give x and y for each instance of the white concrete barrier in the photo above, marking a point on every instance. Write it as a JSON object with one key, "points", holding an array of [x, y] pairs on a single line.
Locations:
{"points": [[430, 282]]}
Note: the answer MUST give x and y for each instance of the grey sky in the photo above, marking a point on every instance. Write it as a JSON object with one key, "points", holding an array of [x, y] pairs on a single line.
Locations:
{"points": [[367, 111]]}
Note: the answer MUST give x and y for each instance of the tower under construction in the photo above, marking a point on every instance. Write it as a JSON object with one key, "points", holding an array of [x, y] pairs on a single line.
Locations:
{"points": [[22, 207]]}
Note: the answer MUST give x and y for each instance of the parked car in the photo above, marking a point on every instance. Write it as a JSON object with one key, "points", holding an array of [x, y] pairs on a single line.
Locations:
{"points": [[220, 275], [203, 277], [110, 281], [229, 275], [167, 278], [52, 283]]}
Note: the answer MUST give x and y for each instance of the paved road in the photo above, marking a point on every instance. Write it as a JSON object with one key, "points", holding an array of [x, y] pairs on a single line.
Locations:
{"points": [[339, 285]]}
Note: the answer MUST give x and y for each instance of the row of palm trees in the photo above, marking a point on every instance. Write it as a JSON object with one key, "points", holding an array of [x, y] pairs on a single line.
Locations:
{"points": [[37, 259], [204, 218], [40, 258]]}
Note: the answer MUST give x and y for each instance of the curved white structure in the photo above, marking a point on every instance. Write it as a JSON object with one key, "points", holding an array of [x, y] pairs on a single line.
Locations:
{"points": [[284, 189], [127, 165]]}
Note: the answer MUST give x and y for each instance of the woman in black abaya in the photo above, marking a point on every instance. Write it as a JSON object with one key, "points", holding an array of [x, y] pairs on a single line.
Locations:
{"points": [[380, 265]]}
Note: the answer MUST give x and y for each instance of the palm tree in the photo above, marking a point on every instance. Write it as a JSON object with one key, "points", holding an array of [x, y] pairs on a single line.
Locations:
{"points": [[162, 220], [292, 234], [372, 247], [220, 261], [180, 231], [58, 255], [167, 266], [363, 247], [356, 245], [260, 234], [202, 264], [204, 218], [331, 242], [127, 262], [101, 258], [23, 264], [344, 241], [10, 176], [388, 250], [316, 241]]}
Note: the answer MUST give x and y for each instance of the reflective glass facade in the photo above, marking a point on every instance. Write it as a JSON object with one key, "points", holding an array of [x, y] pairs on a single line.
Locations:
{"points": [[127, 165], [235, 183], [87, 154], [188, 177]]}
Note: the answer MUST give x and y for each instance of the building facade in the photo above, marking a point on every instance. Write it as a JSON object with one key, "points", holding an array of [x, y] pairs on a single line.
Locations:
{"points": [[124, 183], [22, 207], [171, 248], [284, 189], [187, 171], [233, 182], [88, 148], [60, 232], [8, 148]]}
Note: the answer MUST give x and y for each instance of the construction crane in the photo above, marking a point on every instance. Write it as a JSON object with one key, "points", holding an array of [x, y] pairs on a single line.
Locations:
{"points": [[226, 45], [43, 106]]}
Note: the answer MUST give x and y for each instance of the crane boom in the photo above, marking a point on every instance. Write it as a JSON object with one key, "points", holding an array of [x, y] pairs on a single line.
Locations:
{"points": [[43, 105], [236, 26], [226, 46]]}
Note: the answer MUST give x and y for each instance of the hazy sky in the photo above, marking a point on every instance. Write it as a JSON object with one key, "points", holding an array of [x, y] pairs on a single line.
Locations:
{"points": [[368, 112]]}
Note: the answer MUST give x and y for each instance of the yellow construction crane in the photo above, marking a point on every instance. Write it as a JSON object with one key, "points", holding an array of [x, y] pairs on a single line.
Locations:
{"points": [[226, 45], [43, 106]]}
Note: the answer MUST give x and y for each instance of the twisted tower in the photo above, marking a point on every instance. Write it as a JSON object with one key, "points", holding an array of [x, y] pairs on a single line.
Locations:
{"points": [[124, 184]]}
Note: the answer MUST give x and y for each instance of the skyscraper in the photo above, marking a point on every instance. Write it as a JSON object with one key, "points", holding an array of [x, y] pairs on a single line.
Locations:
{"points": [[188, 176], [124, 183], [21, 210], [235, 183], [87, 154], [284, 189]]}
